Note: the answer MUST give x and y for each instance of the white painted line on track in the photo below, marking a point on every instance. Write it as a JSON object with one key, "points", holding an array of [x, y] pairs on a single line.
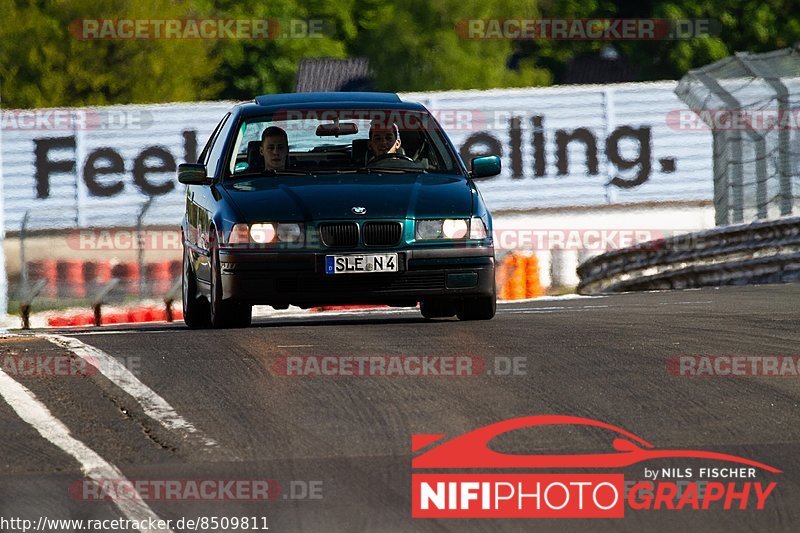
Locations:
{"points": [[569, 309], [686, 303], [35, 413], [154, 405], [294, 345], [555, 298], [554, 308], [121, 331]]}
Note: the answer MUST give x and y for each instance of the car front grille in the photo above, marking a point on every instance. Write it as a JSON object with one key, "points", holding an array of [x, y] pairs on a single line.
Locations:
{"points": [[382, 233], [339, 234]]}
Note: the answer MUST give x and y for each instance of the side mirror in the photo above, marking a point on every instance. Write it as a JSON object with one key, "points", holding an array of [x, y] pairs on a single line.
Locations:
{"points": [[485, 167], [192, 174]]}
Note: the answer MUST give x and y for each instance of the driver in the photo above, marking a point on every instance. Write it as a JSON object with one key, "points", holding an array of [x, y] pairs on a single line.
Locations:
{"points": [[274, 148], [383, 140]]}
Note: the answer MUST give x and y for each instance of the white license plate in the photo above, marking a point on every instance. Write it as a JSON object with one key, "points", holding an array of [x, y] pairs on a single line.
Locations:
{"points": [[356, 264]]}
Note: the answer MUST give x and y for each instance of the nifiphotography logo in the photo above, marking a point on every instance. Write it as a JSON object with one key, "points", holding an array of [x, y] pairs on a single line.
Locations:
{"points": [[727, 482]]}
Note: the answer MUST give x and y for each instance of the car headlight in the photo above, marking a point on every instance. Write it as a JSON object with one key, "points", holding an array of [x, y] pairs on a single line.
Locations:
{"points": [[290, 232], [240, 234], [429, 229], [266, 232], [477, 229], [445, 228], [454, 228], [262, 233], [450, 228]]}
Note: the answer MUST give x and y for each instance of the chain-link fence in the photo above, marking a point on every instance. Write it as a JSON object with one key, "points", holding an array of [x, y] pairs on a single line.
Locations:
{"points": [[751, 102]]}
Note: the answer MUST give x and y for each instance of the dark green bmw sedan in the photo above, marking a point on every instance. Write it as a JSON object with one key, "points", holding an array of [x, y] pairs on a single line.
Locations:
{"points": [[316, 199]]}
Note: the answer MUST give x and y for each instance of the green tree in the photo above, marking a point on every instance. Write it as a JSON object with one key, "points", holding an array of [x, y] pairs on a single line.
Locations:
{"points": [[415, 46], [43, 64], [739, 25], [251, 67], [743, 26], [412, 46]]}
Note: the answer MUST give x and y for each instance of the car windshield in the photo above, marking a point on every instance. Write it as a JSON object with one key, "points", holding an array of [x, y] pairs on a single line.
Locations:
{"points": [[341, 141]]}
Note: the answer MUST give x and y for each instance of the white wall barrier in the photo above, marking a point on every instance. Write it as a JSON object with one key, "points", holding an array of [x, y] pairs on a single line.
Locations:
{"points": [[590, 146], [561, 146]]}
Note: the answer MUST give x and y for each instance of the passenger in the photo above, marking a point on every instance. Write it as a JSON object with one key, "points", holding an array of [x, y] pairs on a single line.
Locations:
{"points": [[274, 148]]}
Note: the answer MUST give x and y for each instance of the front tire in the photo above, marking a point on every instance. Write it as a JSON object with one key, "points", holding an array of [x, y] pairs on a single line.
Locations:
{"points": [[225, 314], [437, 308], [195, 308], [481, 308]]}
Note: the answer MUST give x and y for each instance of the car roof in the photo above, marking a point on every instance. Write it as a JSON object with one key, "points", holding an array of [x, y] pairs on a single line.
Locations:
{"points": [[325, 97], [326, 100]]}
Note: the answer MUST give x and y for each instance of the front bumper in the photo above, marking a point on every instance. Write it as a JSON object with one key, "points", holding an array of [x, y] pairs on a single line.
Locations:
{"points": [[290, 278]]}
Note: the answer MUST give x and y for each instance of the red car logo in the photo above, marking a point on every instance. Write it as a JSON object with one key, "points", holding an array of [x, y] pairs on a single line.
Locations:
{"points": [[471, 450]]}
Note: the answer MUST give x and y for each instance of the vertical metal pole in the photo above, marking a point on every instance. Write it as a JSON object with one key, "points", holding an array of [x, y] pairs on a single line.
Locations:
{"points": [[721, 209], [140, 246], [23, 263], [609, 123], [762, 203], [761, 69], [736, 185], [80, 159]]}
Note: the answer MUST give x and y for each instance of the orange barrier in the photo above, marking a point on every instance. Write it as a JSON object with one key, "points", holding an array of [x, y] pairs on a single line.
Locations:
{"points": [[96, 274], [518, 277], [138, 314], [46, 269], [72, 278], [175, 269], [128, 274], [159, 277], [533, 284]]}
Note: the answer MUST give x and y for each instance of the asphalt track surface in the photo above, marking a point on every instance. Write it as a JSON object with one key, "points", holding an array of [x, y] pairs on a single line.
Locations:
{"points": [[348, 438]]}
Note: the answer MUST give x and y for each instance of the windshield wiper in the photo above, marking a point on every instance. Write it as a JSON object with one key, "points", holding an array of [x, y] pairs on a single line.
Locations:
{"points": [[269, 174], [335, 171], [367, 170], [287, 172], [398, 170]]}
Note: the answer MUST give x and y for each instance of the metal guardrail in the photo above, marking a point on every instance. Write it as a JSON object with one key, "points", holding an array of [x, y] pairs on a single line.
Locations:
{"points": [[761, 252]]}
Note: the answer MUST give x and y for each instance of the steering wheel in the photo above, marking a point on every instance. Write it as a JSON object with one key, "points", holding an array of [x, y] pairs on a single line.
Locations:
{"points": [[382, 157]]}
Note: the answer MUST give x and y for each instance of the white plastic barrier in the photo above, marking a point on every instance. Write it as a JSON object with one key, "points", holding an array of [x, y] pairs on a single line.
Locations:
{"points": [[561, 146]]}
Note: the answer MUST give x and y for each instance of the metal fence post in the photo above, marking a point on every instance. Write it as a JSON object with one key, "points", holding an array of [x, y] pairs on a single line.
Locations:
{"points": [[140, 243], [761, 69], [753, 170], [23, 262]]}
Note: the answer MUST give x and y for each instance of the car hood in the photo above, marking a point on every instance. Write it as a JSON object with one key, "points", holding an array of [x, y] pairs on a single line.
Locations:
{"points": [[331, 197]]}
